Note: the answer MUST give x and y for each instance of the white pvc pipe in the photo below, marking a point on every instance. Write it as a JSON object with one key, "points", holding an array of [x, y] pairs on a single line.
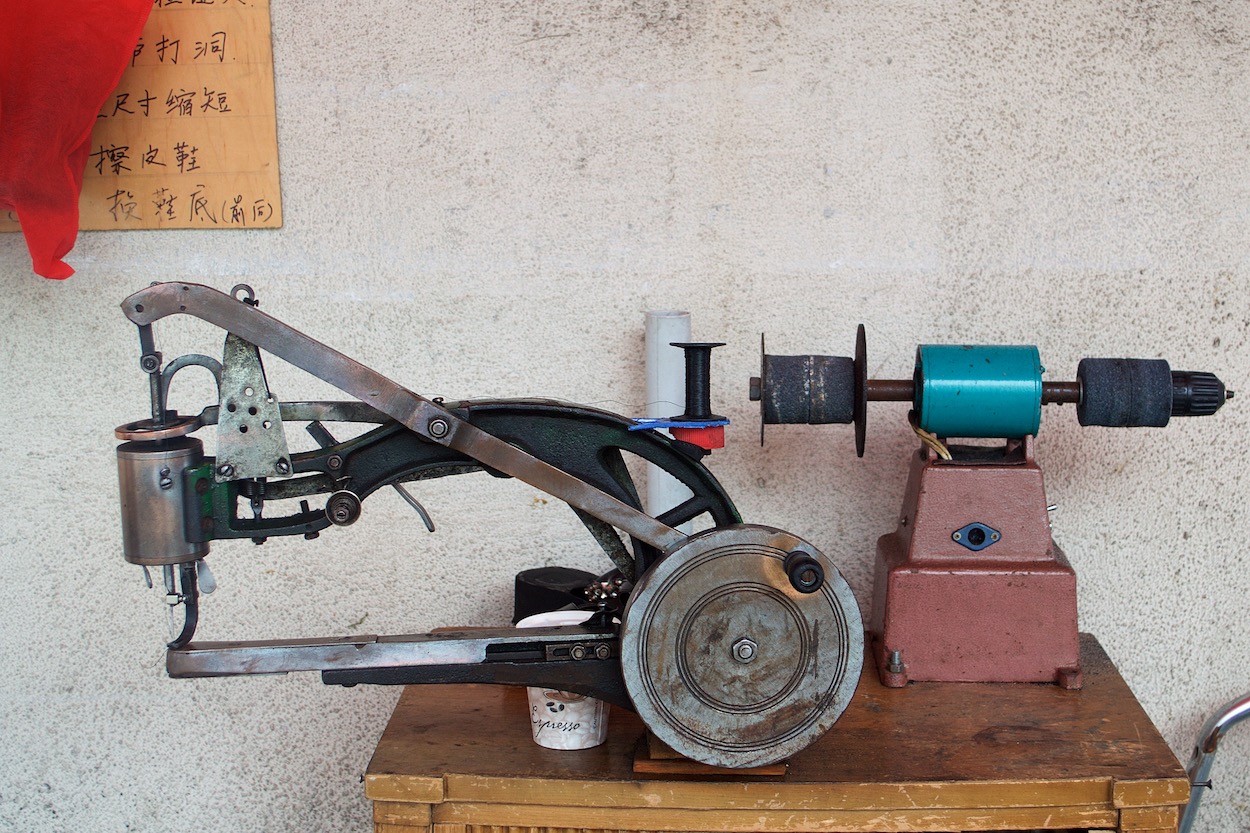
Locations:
{"points": [[666, 397]]}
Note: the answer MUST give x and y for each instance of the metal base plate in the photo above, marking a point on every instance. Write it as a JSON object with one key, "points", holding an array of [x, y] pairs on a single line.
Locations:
{"points": [[726, 662]]}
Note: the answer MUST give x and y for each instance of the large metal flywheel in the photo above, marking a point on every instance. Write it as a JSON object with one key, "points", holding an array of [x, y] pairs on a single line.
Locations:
{"points": [[727, 660]]}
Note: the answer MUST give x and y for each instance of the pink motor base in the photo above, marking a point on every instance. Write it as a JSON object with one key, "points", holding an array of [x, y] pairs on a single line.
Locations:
{"points": [[1004, 614]]}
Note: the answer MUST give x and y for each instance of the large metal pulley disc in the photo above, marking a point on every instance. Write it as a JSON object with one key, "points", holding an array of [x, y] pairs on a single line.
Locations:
{"points": [[726, 661]]}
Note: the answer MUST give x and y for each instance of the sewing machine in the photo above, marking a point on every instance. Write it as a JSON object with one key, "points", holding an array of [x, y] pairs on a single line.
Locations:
{"points": [[738, 645], [971, 586]]}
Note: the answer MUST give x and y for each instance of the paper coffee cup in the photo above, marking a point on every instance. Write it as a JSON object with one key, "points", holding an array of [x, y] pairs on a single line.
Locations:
{"points": [[563, 719]]}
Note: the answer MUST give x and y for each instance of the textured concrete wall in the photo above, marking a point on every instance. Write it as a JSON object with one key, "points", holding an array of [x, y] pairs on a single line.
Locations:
{"points": [[483, 199]]}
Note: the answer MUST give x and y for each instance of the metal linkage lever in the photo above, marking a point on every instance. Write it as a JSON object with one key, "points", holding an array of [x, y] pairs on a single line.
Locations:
{"points": [[570, 658], [415, 412]]}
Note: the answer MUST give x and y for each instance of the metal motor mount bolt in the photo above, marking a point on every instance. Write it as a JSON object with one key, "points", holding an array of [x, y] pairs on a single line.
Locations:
{"points": [[334, 462], [744, 650], [438, 428], [578, 652]]}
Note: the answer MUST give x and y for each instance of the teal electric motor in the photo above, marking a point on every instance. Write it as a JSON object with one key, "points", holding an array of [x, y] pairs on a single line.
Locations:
{"points": [[978, 390]]}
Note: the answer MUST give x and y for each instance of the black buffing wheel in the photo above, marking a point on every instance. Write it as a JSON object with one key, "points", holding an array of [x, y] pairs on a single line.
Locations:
{"points": [[1124, 393]]}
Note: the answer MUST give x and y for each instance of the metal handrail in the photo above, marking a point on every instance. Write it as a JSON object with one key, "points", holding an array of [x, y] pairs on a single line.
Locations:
{"points": [[1203, 758]]}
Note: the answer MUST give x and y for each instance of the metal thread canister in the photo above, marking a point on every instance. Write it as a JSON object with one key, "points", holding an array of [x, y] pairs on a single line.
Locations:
{"points": [[152, 500], [978, 391]]}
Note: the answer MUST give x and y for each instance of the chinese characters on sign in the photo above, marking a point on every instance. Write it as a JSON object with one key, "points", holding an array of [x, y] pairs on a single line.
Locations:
{"points": [[189, 137]]}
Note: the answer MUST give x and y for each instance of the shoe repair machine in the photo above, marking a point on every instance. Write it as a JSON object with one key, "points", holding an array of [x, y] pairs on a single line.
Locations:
{"points": [[738, 645]]}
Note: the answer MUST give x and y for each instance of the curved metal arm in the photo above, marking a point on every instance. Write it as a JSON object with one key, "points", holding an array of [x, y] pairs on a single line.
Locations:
{"points": [[415, 412], [1213, 731]]}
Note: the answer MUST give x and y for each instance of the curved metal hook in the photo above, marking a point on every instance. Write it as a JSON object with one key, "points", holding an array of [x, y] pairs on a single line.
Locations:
{"points": [[195, 359]]}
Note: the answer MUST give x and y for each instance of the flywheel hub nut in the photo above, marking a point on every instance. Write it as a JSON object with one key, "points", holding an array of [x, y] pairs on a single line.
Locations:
{"points": [[744, 650]]}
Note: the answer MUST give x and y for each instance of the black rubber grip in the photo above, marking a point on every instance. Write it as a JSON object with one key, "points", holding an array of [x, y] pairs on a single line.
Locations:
{"points": [[1125, 393]]}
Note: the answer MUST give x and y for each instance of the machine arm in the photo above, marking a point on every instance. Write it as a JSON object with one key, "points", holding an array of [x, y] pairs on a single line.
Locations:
{"points": [[415, 412]]}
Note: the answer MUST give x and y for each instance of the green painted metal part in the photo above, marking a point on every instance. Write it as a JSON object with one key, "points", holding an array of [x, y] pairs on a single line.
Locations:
{"points": [[978, 391]]}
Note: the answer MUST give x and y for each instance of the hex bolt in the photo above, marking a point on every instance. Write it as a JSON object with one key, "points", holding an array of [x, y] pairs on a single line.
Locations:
{"points": [[438, 428], [602, 651], [744, 650], [578, 651], [895, 663]]}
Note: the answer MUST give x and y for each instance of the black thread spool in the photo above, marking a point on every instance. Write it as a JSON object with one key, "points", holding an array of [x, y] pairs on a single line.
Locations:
{"points": [[698, 380]]}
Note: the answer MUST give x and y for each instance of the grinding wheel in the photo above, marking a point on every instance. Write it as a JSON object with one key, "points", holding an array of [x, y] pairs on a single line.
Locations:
{"points": [[726, 661]]}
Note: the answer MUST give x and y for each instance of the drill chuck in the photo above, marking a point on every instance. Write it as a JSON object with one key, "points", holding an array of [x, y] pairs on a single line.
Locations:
{"points": [[1197, 394]]}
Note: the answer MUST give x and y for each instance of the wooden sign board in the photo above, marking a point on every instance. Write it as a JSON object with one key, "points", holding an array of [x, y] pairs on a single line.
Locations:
{"points": [[189, 137]]}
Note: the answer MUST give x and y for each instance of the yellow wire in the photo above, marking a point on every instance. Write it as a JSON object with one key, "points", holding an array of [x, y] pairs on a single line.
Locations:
{"points": [[930, 440]]}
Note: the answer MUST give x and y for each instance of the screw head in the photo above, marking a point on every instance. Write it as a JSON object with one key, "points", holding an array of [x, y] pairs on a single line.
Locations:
{"points": [[744, 650], [438, 428], [334, 462], [283, 467], [225, 470]]}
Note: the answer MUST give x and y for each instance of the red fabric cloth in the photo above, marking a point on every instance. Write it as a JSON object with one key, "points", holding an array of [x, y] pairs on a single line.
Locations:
{"points": [[59, 61]]}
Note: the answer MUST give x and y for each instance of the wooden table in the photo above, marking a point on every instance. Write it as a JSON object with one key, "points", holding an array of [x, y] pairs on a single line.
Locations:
{"points": [[932, 756]]}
